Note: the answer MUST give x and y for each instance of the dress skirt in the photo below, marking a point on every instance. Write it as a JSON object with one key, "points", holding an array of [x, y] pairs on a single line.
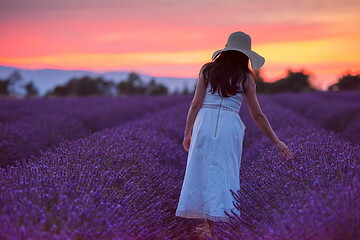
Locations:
{"points": [[213, 165]]}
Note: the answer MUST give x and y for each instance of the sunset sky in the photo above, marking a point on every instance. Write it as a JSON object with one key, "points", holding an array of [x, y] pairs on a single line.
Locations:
{"points": [[175, 38]]}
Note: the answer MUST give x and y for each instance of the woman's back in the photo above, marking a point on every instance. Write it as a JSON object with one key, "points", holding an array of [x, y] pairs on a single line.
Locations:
{"points": [[233, 102]]}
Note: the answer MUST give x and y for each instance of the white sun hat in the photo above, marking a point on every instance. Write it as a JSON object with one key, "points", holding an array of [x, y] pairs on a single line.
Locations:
{"points": [[241, 42]]}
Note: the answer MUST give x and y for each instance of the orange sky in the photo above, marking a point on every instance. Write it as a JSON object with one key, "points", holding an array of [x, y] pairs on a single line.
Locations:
{"points": [[175, 38]]}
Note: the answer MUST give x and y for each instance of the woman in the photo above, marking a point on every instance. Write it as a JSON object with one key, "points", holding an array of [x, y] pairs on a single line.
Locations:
{"points": [[214, 132]]}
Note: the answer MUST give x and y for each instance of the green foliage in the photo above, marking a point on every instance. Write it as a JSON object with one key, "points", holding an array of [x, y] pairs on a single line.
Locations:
{"points": [[14, 79], [31, 90], [83, 86], [7, 84], [134, 85], [347, 82], [293, 82], [86, 86], [185, 91], [11, 85], [261, 85], [177, 91], [4, 85], [155, 89]]}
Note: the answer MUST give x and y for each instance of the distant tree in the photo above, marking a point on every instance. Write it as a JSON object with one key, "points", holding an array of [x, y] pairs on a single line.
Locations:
{"points": [[293, 82], [153, 88], [83, 86], [185, 90], [14, 80], [4, 85], [296, 82], [347, 82], [261, 85], [107, 88], [86, 86], [132, 86], [60, 91], [15, 87], [31, 90], [176, 92], [11, 84]]}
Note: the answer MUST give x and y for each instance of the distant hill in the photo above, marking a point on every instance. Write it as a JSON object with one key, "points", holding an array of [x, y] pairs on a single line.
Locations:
{"points": [[47, 79]]}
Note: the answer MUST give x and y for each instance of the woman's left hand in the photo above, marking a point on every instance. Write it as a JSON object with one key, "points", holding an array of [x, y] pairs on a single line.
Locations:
{"points": [[186, 142]]}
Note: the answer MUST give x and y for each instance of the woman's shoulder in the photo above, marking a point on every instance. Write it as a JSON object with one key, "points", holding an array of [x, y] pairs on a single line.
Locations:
{"points": [[249, 83]]}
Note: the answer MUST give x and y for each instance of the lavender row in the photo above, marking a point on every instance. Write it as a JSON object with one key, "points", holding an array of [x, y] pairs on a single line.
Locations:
{"points": [[312, 196], [72, 119], [124, 183], [120, 183], [331, 111], [13, 110], [349, 95]]}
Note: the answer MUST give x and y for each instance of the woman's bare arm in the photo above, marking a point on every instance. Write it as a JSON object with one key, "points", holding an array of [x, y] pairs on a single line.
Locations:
{"points": [[255, 111], [195, 106], [259, 117]]}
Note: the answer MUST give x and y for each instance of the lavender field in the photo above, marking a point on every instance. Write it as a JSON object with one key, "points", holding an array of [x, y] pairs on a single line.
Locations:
{"points": [[105, 168]]}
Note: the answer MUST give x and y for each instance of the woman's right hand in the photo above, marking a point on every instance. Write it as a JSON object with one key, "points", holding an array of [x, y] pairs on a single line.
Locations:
{"points": [[285, 151], [186, 142]]}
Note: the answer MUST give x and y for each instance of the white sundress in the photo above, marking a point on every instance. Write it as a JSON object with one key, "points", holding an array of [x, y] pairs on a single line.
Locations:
{"points": [[214, 158]]}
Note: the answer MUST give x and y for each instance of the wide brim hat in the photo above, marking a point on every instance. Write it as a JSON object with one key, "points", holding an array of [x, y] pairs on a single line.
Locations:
{"points": [[241, 42]]}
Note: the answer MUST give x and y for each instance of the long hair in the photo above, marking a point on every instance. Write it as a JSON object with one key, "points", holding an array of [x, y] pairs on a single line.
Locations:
{"points": [[226, 72]]}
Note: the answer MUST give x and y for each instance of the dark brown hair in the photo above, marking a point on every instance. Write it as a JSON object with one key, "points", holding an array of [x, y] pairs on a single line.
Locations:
{"points": [[226, 72]]}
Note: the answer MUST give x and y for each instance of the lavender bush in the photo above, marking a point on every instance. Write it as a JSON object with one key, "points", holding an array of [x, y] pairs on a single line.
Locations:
{"points": [[312, 196], [331, 110], [120, 183], [12, 110], [70, 119], [352, 130], [349, 95], [124, 183]]}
